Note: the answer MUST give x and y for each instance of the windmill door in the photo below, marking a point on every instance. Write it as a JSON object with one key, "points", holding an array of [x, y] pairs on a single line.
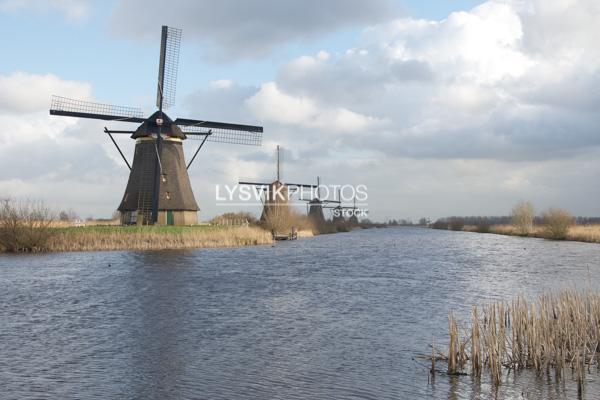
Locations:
{"points": [[170, 219]]}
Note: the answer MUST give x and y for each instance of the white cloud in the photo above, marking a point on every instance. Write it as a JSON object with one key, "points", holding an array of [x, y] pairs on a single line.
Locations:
{"points": [[66, 161], [21, 92], [273, 105], [246, 29], [475, 107], [221, 84], [477, 84], [75, 10]]}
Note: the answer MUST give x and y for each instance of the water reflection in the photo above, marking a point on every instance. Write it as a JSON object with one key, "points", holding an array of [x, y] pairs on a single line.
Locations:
{"points": [[339, 316]]}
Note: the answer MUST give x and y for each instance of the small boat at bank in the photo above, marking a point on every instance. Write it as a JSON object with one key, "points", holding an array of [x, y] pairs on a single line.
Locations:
{"points": [[293, 235]]}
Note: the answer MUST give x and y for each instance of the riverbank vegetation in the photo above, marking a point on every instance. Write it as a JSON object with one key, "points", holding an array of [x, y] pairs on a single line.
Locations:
{"points": [[554, 224], [33, 227], [98, 238], [557, 335], [279, 224], [522, 218], [578, 233], [95, 238], [25, 226]]}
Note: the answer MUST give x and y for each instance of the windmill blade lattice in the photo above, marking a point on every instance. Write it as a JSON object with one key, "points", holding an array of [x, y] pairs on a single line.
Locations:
{"points": [[221, 135], [168, 66], [87, 109]]}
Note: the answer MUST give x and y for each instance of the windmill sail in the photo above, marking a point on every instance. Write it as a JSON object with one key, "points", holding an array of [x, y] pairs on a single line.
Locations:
{"points": [[212, 124], [167, 67], [221, 132], [87, 109]]}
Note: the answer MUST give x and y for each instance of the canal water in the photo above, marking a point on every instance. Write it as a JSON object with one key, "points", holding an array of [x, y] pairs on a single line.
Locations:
{"points": [[333, 317]]}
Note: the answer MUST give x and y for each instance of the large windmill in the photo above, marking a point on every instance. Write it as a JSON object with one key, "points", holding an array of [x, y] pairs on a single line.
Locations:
{"points": [[159, 190]]}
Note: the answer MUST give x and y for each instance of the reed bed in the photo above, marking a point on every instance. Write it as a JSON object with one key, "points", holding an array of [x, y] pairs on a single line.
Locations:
{"points": [[557, 334], [577, 233], [155, 238], [584, 233]]}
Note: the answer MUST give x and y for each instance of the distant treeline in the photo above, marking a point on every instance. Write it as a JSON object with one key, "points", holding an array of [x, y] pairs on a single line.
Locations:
{"points": [[483, 223], [507, 219], [587, 220], [476, 220]]}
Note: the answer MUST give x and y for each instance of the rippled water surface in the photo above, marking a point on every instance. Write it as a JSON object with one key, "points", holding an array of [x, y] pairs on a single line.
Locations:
{"points": [[334, 317]]}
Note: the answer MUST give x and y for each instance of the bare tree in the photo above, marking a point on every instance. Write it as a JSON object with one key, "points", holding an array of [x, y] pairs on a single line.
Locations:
{"points": [[63, 216], [522, 217], [440, 223], [24, 226], [116, 215], [556, 223], [457, 223], [483, 225], [282, 219]]}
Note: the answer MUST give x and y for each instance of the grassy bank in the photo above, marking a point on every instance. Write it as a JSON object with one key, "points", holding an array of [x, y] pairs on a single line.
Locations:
{"points": [[95, 238], [579, 233]]}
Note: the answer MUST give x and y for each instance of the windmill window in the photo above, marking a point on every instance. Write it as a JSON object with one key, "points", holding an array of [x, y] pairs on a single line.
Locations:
{"points": [[168, 195]]}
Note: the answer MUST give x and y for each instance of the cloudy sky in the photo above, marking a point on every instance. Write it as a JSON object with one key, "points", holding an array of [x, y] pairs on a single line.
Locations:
{"points": [[440, 108]]}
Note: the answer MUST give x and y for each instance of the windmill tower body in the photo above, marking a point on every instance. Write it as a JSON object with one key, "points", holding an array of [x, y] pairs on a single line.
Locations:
{"points": [[315, 207], [315, 211], [276, 201], [338, 217], [353, 220], [176, 202]]}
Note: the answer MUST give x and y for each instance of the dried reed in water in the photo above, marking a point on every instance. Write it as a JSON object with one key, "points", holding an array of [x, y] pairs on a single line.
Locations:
{"points": [[453, 349], [559, 331]]}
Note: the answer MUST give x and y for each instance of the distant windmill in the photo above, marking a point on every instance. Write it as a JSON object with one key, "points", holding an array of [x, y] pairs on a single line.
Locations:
{"points": [[353, 220], [276, 204], [315, 206], [159, 190], [339, 211]]}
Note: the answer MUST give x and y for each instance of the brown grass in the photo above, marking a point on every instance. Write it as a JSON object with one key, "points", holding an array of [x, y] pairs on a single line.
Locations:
{"points": [[147, 238], [304, 233], [584, 233], [281, 219], [558, 332], [454, 345], [504, 230], [578, 233]]}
